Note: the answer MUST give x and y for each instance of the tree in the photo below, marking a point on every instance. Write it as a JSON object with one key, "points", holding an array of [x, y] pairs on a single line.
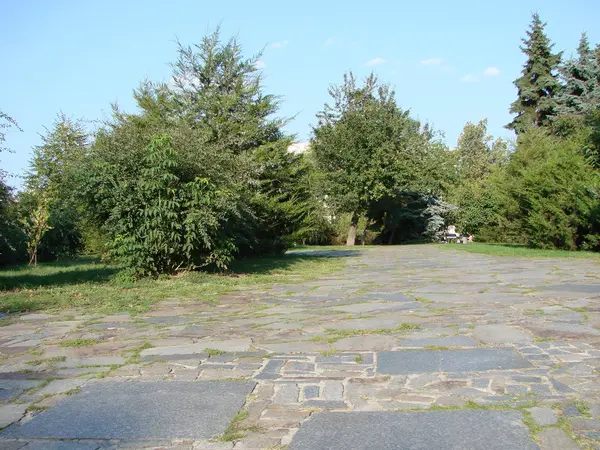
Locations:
{"points": [[35, 226], [479, 155], [365, 147], [551, 193], [478, 152], [51, 175], [538, 85], [164, 224], [228, 167], [220, 91], [581, 79], [63, 147], [8, 227]]}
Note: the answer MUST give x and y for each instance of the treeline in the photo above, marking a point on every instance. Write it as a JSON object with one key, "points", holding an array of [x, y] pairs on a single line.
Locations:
{"points": [[202, 174]]}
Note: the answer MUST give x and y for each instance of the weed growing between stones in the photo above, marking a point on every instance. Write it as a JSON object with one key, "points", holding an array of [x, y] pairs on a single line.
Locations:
{"points": [[336, 335], [80, 342]]}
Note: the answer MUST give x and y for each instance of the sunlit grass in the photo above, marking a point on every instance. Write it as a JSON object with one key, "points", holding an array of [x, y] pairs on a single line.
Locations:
{"points": [[517, 251], [94, 286]]}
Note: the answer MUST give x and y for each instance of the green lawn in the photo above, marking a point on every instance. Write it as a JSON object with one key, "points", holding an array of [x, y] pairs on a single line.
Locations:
{"points": [[92, 285], [517, 251]]}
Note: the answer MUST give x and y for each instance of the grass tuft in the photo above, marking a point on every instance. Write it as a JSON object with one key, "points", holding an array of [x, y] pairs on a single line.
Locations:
{"points": [[336, 335], [79, 342]]}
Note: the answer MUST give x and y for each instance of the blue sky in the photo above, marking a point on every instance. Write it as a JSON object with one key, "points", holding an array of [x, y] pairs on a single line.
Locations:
{"points": [[79, 56]]}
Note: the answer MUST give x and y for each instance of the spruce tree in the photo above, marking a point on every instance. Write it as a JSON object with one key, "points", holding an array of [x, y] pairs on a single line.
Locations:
{"points": [[581, 78], [538, 84]]}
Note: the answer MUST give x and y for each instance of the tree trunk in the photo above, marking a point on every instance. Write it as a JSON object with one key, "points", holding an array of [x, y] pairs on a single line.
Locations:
{"points": [[352, 231], [364, 233]]}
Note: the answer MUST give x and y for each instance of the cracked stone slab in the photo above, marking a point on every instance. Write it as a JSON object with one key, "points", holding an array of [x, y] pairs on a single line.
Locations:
{"points": [[452, 430], [470, 360], [140, 410]]}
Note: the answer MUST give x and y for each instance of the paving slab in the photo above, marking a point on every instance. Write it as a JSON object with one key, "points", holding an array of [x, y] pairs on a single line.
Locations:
{"points": [[449, 430], [501, 334], [138, 410], [556, 439], [570, 287], [471, 360], [444, 341], [543, 416]]}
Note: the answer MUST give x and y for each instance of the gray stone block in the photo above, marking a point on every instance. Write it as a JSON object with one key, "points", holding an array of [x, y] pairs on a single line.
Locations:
{"points": [[449, 430], [138, 410], [472, 360], [543, 416]]}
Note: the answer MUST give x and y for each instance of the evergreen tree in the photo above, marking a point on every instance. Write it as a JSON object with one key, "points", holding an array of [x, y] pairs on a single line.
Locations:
{"points": [[538, 84], [581, 78]]}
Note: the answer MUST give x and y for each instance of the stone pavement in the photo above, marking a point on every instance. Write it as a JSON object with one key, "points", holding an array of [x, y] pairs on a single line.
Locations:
{"points": [[410, 347]]}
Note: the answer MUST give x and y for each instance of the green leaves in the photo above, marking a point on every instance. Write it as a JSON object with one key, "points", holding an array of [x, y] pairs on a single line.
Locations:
{"points": [[170, 225], [368, 151]]}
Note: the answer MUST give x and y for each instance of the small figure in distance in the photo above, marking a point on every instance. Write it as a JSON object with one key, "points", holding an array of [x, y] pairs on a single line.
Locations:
{"points": [[451, 234]]}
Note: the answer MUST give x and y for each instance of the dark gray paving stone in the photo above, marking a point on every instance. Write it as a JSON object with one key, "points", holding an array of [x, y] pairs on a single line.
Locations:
{"points": [[454, 430], [571, 411], [271, 370], [8, 394], [311, 392], [472, 360], [142, 410]]}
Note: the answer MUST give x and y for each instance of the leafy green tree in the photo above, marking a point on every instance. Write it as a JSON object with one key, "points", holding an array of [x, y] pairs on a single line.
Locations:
{"points": [[479, 155], [63, 146], [9, 231], [538, 85], [35, 226], [581, 79], [228, 153], [365, 148], [51, 175], [163, 224]]}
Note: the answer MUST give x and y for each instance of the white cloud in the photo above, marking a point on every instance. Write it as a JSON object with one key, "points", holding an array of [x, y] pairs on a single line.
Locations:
{"points": [[329, 42], [432, 61], [491, 71], [282, 44], [374, 62], [469, 78], [260, 64]]}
